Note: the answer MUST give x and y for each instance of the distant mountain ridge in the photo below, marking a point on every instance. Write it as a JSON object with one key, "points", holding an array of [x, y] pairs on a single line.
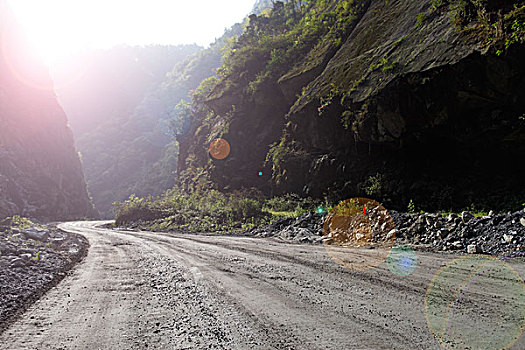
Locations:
{"points": [[94, 85], [123, 112], [263, 5]]}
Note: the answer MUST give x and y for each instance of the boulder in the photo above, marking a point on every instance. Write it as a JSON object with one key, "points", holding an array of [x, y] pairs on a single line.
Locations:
{"points": [[466, 216], [17, 262], [457, 244], [473, 249], [36, 234]]}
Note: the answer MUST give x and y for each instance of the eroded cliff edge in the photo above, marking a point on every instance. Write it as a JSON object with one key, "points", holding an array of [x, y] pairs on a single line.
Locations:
{"points": [[416, 99], [40, 171]]}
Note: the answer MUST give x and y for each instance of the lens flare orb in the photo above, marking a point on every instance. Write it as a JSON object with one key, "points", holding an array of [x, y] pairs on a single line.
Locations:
{"points": [[219, 149], [402, 260], [481, 288]]}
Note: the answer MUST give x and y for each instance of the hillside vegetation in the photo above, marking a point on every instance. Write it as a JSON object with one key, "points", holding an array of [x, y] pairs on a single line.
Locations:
{"points": [[125, 109], [401, 101]]}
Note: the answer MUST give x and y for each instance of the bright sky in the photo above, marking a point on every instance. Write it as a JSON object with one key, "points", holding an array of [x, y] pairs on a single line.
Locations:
{"points": [[58, 28]]}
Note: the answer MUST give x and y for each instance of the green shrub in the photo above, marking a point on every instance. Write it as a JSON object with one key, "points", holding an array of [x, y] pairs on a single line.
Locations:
{"points": [[421, 19], [289, 202], [196, 209], [137, 209], [290, 205], [411, 208], [245, 208], [208, 209], [19, 222], [375, 185], [438, 3], [516, 34]]}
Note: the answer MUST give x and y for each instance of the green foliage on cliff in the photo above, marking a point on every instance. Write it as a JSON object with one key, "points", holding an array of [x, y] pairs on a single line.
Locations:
{"points": [[272, 41], [361, 97], [290, 39], [501, 24], [278, 154]]}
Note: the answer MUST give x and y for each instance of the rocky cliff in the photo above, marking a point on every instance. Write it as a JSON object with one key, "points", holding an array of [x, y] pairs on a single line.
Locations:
{"points": [[394, 100], [40, 172]]}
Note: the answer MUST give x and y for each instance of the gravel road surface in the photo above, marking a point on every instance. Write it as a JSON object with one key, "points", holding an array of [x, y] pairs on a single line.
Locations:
{"points": [[141, 290]]}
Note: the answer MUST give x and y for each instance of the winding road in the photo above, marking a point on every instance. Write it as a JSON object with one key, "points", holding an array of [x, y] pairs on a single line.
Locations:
{"points": [[142, 290]]}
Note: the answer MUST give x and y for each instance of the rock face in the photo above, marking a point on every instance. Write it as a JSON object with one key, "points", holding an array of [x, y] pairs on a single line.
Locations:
{"points": [[424, 105], [40, 172], [407, 105]]}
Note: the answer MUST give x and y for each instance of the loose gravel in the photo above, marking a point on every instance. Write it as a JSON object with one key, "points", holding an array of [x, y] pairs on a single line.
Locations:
{"points": [[33, 260], [151, 290], [491, 234]]}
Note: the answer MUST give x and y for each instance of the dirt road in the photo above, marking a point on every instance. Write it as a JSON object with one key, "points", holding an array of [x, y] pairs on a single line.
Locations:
{"points": [[179, 291]]}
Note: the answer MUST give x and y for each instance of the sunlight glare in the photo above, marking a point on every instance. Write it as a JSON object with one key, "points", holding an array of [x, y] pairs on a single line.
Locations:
{"points": [[58, 28]]}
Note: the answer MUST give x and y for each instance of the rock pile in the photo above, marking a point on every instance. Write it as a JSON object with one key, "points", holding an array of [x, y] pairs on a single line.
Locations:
{"points": [[491, 234], [32, 260], [307, 228]]}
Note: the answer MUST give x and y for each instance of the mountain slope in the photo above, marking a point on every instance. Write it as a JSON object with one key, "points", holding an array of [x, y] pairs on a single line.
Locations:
{"points": [[126, 115], [116, 106], [394, 100], [98, 85], [40, 172]]}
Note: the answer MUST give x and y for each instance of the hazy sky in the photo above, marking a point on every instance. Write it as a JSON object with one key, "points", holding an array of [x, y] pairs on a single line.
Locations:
{"points": [[59, 27]]}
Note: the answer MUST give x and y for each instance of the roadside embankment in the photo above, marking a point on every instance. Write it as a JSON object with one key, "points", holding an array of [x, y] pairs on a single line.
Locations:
{"points": [[491, 234], [33, 258]]}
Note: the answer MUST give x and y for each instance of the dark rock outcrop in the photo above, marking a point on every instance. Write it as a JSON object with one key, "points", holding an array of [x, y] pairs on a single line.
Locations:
{"points": [[428, 107], [412, 104], [40, 172]]}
